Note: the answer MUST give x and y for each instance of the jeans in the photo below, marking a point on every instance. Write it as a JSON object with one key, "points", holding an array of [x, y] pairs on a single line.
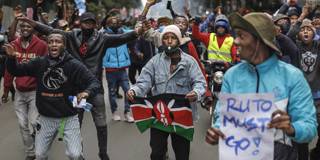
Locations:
{"points": [[117, 78], [159, 143], [26, 112], [49, 130]]}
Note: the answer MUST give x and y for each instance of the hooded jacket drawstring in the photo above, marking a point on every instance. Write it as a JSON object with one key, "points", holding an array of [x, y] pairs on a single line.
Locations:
{"points": [[258, 79]]}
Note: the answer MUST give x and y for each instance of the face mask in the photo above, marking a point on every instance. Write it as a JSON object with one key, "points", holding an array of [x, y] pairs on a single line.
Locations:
{"points": [[220, 34], [87, 32], [114, 29], [285, 28], [171, 50]]}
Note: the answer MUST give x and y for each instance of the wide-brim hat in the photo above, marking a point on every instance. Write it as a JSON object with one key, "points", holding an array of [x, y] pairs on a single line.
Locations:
{"points": [[258, 24]]}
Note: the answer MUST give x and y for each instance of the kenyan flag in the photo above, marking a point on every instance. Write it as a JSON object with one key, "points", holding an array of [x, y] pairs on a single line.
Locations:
{"points": [[167, 112]]}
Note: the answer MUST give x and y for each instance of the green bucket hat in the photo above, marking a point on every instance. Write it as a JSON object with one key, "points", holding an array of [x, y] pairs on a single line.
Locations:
{"points": [[258, 24]]}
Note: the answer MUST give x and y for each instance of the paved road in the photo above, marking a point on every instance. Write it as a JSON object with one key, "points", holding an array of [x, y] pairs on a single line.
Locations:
{"points": [[125, 141]]}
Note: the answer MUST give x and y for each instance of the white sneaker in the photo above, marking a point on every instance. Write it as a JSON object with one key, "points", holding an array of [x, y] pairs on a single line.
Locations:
{"points": [[116, 117], [128, 118]]}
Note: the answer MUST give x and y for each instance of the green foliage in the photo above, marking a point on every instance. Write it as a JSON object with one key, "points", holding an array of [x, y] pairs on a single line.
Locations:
{"points": [[106, 5], [95, 8]]}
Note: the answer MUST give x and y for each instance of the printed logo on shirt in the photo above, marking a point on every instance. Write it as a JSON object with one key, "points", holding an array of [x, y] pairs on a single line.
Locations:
{"points": [[83, 49], [44, 94], [308, 61], [277, 92], [25, 57], [54, 78]]}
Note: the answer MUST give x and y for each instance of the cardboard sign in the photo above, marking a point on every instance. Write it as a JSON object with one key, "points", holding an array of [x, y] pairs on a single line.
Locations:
{"points": [[243, 120]]}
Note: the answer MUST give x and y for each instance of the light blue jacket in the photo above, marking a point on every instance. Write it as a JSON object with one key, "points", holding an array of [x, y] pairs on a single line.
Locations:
{"points": [[155, 76], [288, 85], [117, 57]]}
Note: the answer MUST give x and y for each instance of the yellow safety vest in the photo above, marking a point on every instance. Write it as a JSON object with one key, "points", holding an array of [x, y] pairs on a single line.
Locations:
{"points": [[223, 53]]}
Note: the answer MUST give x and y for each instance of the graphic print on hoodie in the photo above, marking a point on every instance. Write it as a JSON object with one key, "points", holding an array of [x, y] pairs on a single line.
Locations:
{"points": [[36, 48]]}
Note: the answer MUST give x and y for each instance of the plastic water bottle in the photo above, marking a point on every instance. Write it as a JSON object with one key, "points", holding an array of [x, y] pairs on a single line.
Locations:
{"points": [[87, 107]]}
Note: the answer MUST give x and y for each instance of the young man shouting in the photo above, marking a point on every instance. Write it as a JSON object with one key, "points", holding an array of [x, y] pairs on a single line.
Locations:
{"points": [[58, 76]]}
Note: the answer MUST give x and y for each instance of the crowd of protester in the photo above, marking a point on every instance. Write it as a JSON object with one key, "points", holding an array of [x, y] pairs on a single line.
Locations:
{"points": [[38, 49]]}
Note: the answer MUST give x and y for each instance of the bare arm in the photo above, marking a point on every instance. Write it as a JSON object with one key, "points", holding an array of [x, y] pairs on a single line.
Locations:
{"points": [[153, 36], [41, 28]]}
